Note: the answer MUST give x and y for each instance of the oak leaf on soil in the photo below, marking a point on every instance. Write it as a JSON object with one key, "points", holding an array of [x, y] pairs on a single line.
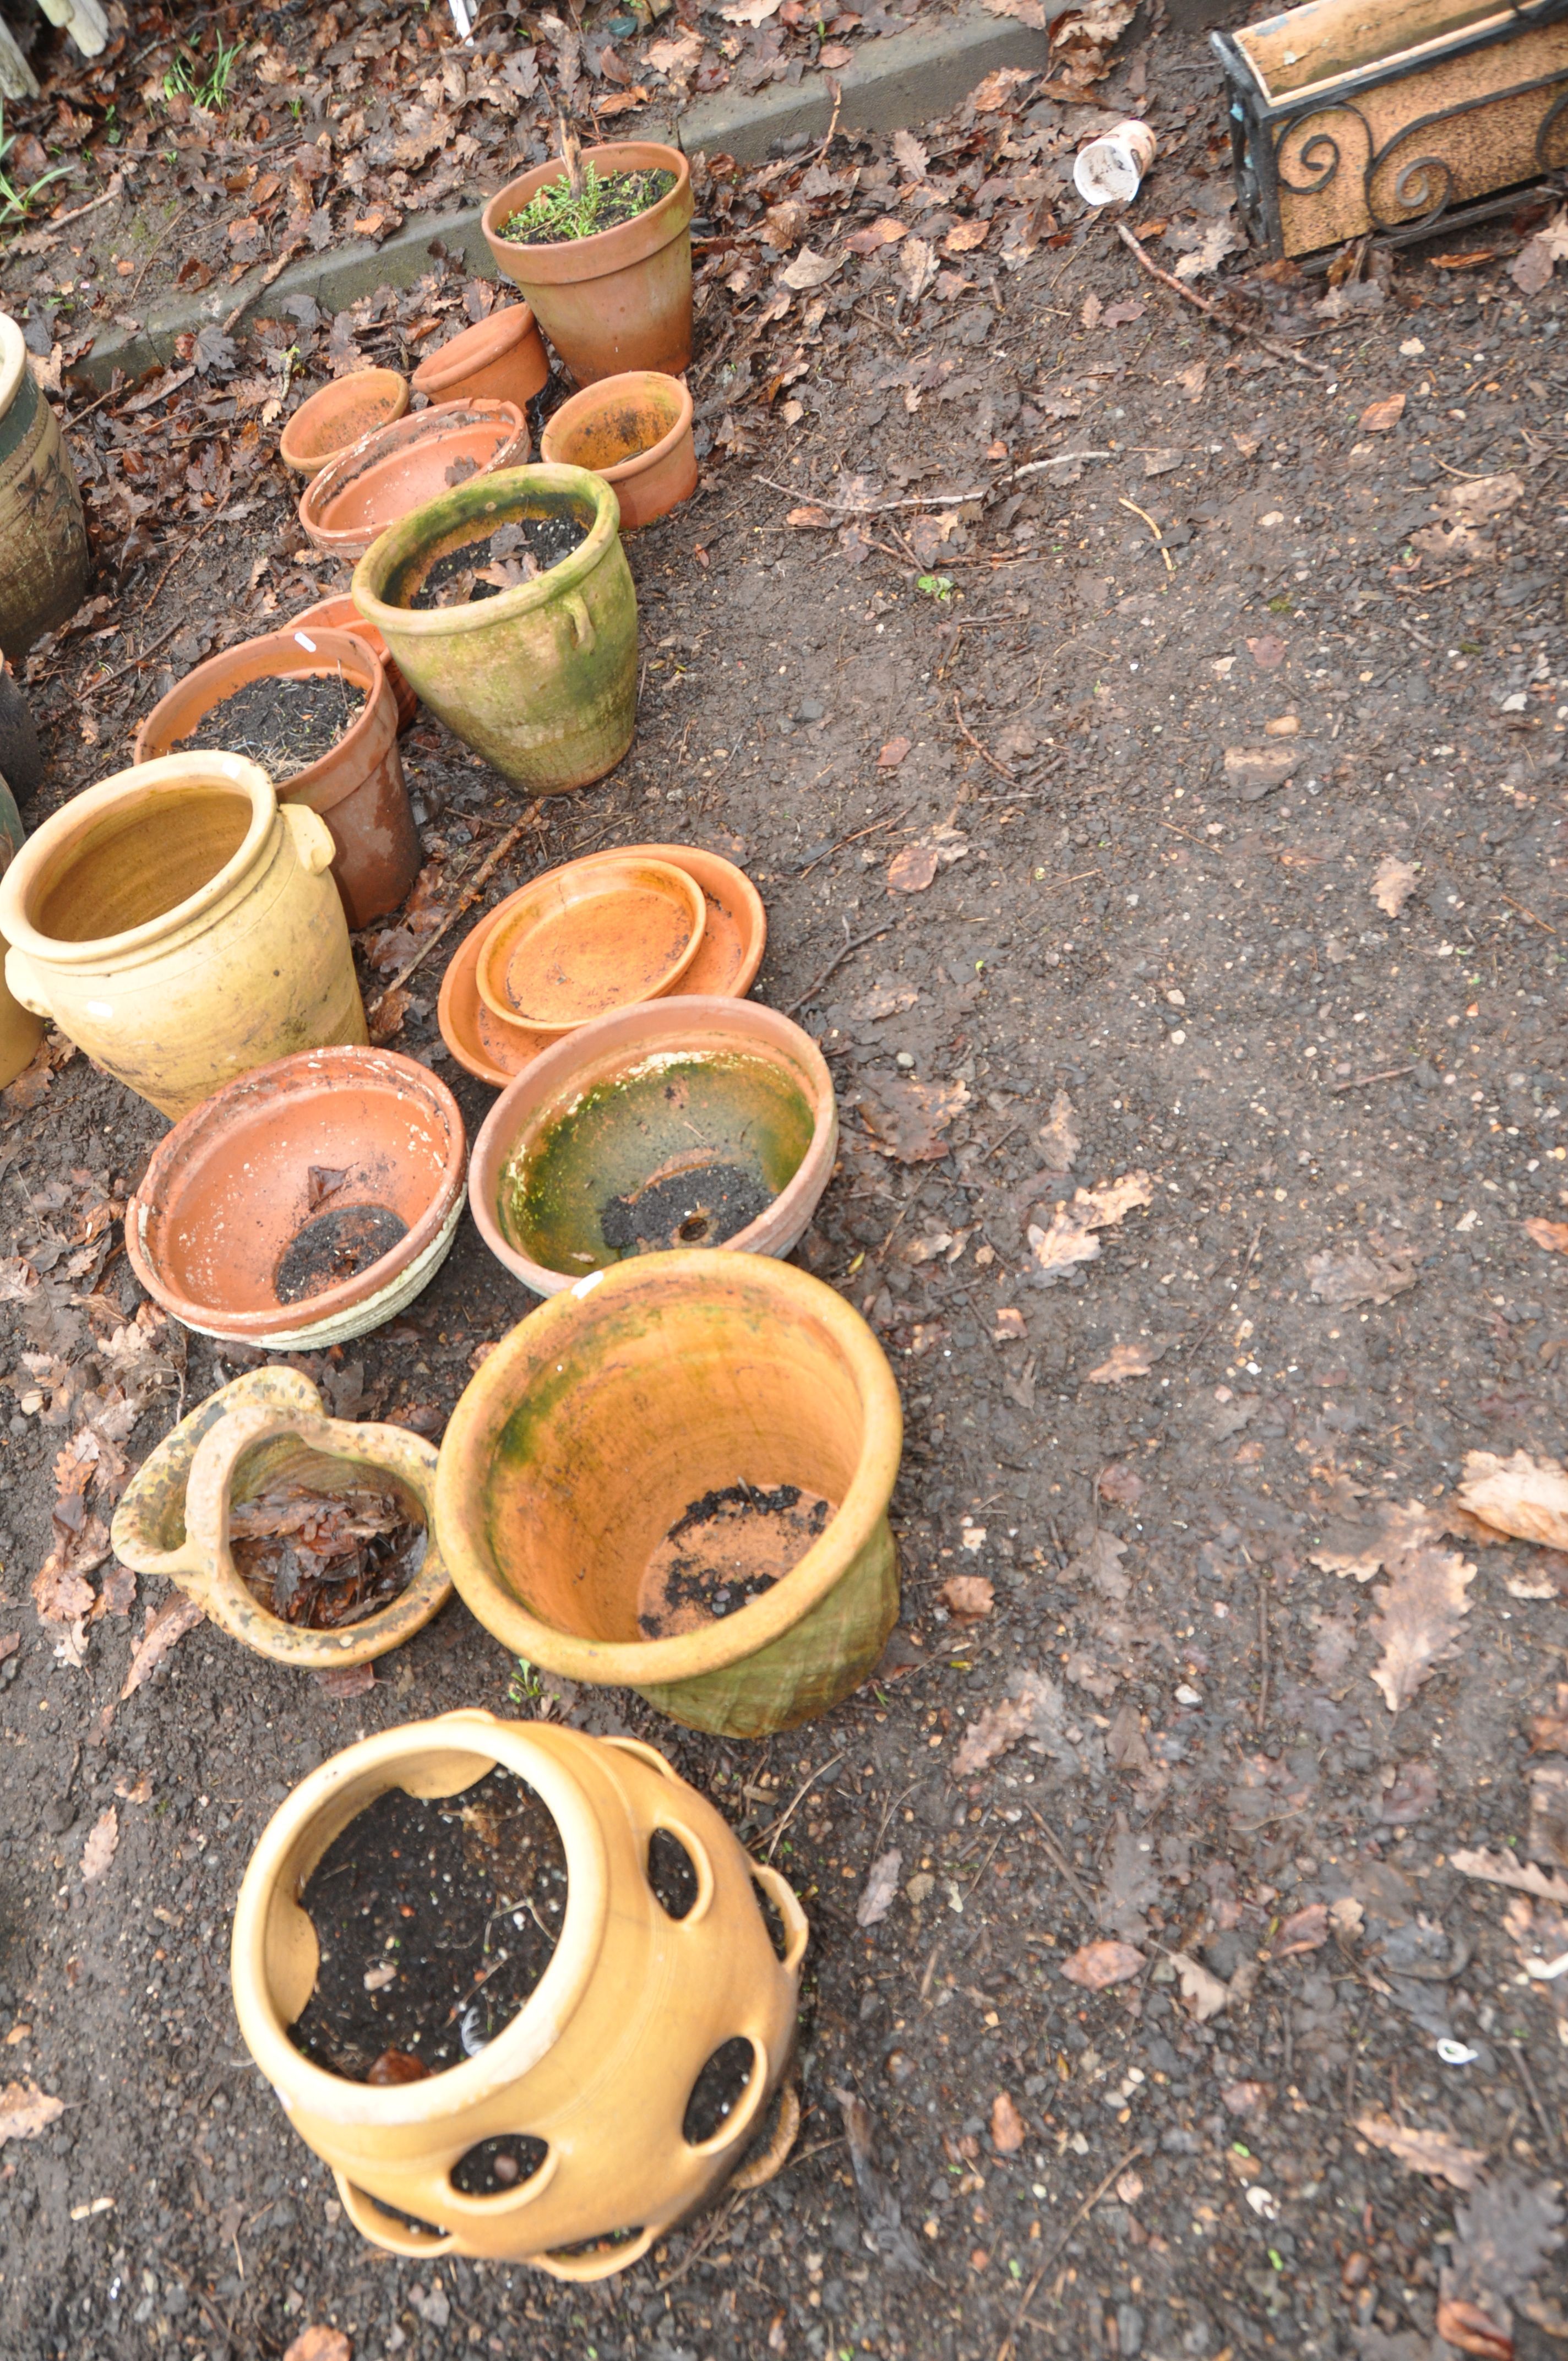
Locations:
{"points": [[26, 2110], [1124, 1361], [319, 2343], [1381, 417], [1354, 1274], [1070, 1236], [881, 1889], [1393, 885], [177, 1616], [1553, 1236], [968, 1597], [101, 1846], [1436, 2153], [1096, 1966], [1206, 1992], [1419, 1610], [1523, 1496], [912, 871]]}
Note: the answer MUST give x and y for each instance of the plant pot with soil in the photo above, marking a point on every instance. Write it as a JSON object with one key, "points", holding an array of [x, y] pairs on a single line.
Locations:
{"points": [[578, 2012], [337, 416], [607, 265], [500, 358], [306, 1538], [674, 1476], [507, 603], [636, 432], [690, 1122], [176, 923], [402, 467], [339, 613], [45, 562], [315, 708], [304, 1203]]}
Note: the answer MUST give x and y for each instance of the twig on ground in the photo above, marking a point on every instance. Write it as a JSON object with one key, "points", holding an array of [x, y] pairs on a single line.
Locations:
{"points": [[837, 89], [837, 962], [1528, 914], [776, 1827], [1232, 327], [96, 687], [1516, 2051], [1061, 1859], [274, 269], [1360, 1081], [1159, 536], [108, 196], [464, 902], [871, 828], [200, 534], [1009, 2342], [1059, 459], [873, 508], [985, 755], [1263, 1649]]}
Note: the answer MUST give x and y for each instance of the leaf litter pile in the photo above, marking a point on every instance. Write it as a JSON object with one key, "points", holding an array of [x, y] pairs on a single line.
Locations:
{"points": [[517, 552], [325, 1561]]}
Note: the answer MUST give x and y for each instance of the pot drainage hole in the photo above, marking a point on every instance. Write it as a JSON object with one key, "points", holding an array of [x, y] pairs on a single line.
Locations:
{"points": [[337, 1244], [284, 725], [697, 1208], [435, 1919], [323, 1560], [516, 552], [724, 1551]]}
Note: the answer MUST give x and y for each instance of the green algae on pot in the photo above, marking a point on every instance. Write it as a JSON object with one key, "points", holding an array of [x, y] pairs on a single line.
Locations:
{"points": [[674, 1476], [539, 679]]}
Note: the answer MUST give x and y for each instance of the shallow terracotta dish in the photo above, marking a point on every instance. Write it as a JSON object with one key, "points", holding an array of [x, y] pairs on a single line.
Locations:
{"points": [[339, 613], [587, 938], [500, 359], [683, 1121], [340, 416], [728, 959], [305, 1202], [635, 431], [388, 475]]}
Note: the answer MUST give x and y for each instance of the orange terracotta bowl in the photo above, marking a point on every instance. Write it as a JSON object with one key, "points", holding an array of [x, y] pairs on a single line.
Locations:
{"points": [[501, 358], [636, 432], [340, 416], [590, 937], [305, 1202], [390, 473], [734, 938]]}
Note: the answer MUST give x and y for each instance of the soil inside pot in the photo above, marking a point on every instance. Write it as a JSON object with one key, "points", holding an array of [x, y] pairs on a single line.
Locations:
{"points": [[724, 1551], [283, 724], [699, 1208], [324, 1560], [555, 216], [436, 1920], [516, 552]]}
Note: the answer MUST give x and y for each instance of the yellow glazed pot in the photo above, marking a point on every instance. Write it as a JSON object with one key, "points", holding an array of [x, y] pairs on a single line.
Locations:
{"points": [[20, 1030], [180, 925], [602, 2059], [261, 1430], [44, 564], [593, 1433]]}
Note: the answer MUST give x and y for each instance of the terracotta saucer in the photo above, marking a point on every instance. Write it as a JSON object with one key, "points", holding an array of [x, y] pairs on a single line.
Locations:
{"points": [[589, 938], [726, 965]]}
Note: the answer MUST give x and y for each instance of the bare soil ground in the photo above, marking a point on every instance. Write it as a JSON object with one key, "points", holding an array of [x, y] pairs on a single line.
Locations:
{"points": [[1204, 1712]]}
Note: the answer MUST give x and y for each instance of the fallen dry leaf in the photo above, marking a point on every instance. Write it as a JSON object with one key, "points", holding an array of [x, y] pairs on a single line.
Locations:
{"points": [[1070, 1239], [1007, 1325], [1124, 1361], [1419, 1609], [906, 1119], [318, 2344], [1436, 2153], [1206, 1992], [1393, 884], [1533, 266], [1553, 1236], [1525, 1497], [911, 871], [101, 1846], [1304, 1930], [967, 1596], [808, 269], [1057, 1139], [1036, 1709], [1502, 1869], [909, 154], [1354, 1274], [177, 1616], [893, 753], [1097, 1965], [881, 1889], [964, 237], [26, 2110], [1481, 499], [1378, 417], [1469, 2329], [1008, 2132], [1219, 239]]}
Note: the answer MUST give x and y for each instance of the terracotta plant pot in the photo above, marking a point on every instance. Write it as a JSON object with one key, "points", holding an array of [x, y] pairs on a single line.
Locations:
{"points": [[357, 787], [502, 358], [600, 2062], [20, 1030], [542, 680], [304, 1203], [21, 765], [261, 1431], [176, 923], [339, 613], [729, 956], [610, 1416], [340, 416], [660, 1125], [45, 562], [621, 300], [584, 940], [636, 432], [404, 467]]}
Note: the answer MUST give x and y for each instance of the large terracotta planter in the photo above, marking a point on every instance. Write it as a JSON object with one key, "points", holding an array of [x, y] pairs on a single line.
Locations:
{"points": [[339, 613], [21, 765], [649, 1120], [596, 1426], [305, 1202], [541, 680], [264, 1429], [45, 562], [401, 467], [20, 1030], [502, 358], [339, 415], [357, 787], [621, 300], [176, 923], [636, 432], [599, 2063]]}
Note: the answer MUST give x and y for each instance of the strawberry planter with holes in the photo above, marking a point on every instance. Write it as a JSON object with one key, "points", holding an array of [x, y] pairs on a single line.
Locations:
{"points": [[557, 2084]]}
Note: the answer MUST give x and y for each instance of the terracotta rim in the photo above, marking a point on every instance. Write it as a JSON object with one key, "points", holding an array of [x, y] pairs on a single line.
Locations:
{"points": [[355, 1064], [690, 894], [583, 405], [39, 856], [322, 615], [664, 1023], [347, 541], [479, 346], [342, 651], [546, 1335], [301, 463], [596, 257], [12, 360], [404, 541]]}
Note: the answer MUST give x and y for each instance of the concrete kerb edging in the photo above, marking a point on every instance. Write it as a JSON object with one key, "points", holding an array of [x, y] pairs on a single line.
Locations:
{"points": [[906, 79]]}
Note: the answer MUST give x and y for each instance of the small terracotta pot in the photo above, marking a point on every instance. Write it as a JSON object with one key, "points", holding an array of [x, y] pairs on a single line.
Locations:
{"points": [[45, 562], [728, 959], [263, 1430], [502, 358], [636, 432], [600, 2062], [233, 1231], [340, 416], [175, 922], [21, 765], [542, 680], [678, 1092], [357, 787], [582, 941], [406, 465], [339, 613], [621, 300], [595, 1426]]}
